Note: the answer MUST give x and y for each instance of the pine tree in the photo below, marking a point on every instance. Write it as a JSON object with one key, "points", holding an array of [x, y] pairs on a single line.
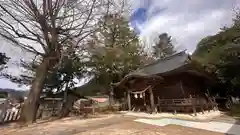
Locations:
{"points": [[164, 47], [3, 60]]}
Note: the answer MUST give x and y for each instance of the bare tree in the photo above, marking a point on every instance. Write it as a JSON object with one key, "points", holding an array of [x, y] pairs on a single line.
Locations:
{"points": [[44, 27]]}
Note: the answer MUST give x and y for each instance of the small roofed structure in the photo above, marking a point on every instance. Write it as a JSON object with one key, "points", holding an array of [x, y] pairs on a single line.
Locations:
{"points": [[54, 104], [130, 83], [176, 83]]}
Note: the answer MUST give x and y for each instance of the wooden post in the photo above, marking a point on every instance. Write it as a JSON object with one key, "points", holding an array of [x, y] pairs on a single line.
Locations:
{"points": [[159, 104], [215, 108], [193, 106], [93, 107], [152, 99], [4, 107], [144, 101], [124, 107], [181, 86], [53, 108], [211, 103], [111, 99], [201, 103], [129, 101], [65, 94]]}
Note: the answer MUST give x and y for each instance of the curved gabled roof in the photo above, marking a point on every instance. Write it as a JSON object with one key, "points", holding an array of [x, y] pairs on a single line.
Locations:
{"points": [[179, 62], [158, 67], [132, 75], [167, 64]]}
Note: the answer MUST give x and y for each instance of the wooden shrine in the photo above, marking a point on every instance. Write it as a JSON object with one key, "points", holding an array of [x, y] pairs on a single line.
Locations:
{"points": [[174, 84]]}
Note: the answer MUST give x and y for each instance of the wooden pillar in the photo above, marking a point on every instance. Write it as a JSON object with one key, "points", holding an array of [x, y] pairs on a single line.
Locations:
{"points": [[129, 101], [111, 99], [4, 108], [202, 105], [182, 89], [93, 107], [193, 105], [159, 105], [210, 102], [124, 107], [215, 108], [152, 99]]}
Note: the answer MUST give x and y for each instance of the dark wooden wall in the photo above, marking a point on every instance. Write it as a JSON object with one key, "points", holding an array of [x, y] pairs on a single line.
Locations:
{"points": [[180, 86], [175, 86]]}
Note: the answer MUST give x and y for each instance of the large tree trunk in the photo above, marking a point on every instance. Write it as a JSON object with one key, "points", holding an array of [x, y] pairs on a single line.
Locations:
{"points": [[68, 105], [31, 104]]}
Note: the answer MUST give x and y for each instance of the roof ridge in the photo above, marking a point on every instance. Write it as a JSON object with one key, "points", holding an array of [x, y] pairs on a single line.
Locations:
{"points": [[168, 57], [175, 54]]}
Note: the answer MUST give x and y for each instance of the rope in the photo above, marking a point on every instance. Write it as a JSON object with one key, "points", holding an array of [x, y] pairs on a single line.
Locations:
{"points": [[139, 92]]}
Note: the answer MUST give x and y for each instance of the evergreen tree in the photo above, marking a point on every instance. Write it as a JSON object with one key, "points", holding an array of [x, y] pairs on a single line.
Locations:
{"points": [[163, 47], [3, 60], [220, 53]]}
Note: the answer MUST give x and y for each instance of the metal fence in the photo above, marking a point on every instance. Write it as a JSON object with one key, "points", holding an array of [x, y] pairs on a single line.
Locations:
{"points": [[9, 112], [10, 115]]}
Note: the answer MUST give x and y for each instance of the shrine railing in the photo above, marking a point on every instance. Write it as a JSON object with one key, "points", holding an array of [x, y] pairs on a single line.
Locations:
{"points": [[186, 104]]}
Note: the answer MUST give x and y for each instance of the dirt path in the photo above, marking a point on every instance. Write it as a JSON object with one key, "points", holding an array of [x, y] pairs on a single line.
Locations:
{"points": [[134, 128], [67, 126], [108, 125]]}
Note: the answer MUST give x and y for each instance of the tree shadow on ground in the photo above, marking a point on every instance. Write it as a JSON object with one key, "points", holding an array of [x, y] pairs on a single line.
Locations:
{"points": [[235, 129], [234, 119]]}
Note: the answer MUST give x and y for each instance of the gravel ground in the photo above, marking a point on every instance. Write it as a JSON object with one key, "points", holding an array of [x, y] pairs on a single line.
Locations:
{"points": [[134, 128], [107, 125], [200, 117]]}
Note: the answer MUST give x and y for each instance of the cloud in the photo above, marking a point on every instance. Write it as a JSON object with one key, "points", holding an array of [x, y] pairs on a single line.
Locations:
{"points": [[187, 21], [15, 53]]}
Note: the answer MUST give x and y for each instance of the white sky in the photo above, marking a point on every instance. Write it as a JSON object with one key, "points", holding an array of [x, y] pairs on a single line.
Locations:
{"points": [[187, 21]]}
